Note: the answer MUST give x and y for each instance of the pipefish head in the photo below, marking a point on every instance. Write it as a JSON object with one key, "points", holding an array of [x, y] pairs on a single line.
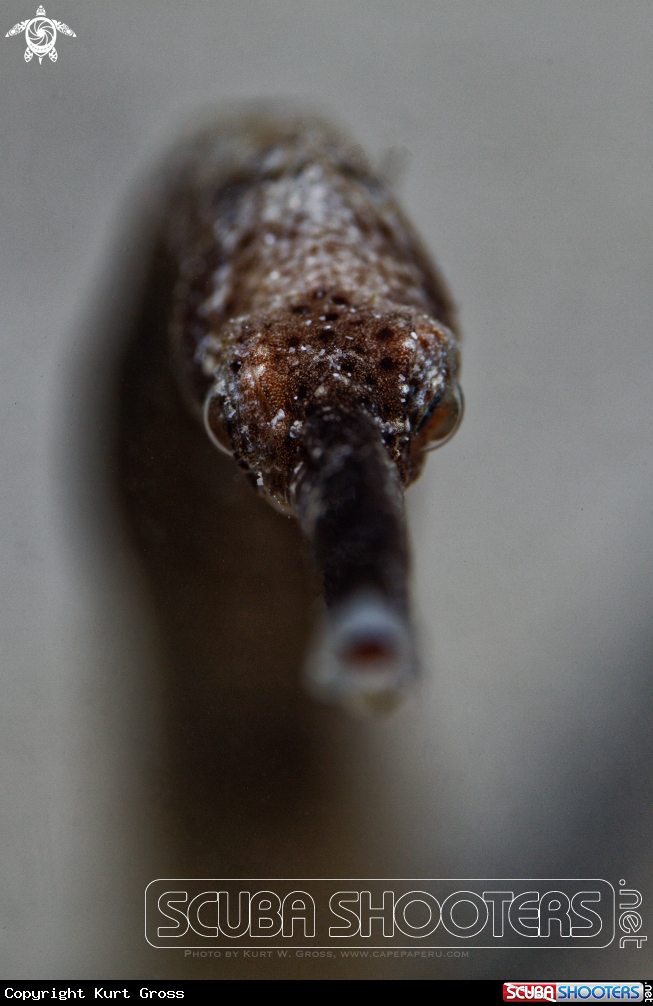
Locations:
{"points": [[398, 366], [333, 419]]}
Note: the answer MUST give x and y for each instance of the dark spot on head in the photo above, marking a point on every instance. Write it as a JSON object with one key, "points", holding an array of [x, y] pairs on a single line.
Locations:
{"points": [[339, 300], [331, 317], [301, 392], [236, 365], [358, 349], [294, 341], [387, 363], [300, 309], [326, 334], [384, 333], [370, 380], [246, 240]]}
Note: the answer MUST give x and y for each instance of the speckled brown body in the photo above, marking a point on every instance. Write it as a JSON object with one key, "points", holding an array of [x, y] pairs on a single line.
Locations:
{"points": [[302, 287]]}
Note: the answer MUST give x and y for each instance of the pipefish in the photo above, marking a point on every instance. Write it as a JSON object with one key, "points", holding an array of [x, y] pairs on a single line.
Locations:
{"points": [[313, 338]]}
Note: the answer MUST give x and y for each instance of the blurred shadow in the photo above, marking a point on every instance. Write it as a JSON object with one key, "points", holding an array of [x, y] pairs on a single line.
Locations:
{"points": [[251, 772]]}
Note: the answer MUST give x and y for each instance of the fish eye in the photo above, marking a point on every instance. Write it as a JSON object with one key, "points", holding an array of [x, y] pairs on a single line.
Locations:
{"points": [[443, 419]]}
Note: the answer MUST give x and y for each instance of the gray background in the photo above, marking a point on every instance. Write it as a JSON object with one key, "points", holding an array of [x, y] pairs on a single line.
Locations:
{"points": [[527, 751]]}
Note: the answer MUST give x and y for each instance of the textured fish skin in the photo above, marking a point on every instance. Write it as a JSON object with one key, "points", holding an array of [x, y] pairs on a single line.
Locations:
{"points": [[312, 335], [301, 286]]}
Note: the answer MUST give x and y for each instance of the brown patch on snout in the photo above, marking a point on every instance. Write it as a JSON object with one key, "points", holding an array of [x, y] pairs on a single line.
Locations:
{"points": [[319, 352]]}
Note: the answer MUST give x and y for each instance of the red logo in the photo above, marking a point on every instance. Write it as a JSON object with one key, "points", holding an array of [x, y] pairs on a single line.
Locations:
{"points": [[529, 992]]}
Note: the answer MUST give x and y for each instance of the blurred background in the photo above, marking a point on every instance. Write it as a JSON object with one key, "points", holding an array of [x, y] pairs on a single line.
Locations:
{"points": [[155, 611]]}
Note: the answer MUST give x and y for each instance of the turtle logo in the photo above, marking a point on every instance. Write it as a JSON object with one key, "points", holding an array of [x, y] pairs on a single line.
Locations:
{"points": [[40, 35]]}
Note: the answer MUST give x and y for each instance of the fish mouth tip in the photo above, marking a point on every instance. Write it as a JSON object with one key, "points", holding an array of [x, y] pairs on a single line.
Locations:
{"points": [[364, 658]]}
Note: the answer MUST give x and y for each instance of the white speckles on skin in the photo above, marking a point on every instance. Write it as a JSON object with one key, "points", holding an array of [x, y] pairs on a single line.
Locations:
{"points": [[326, 246], [207, 345], [274, 160], [299, 225], [222, 287], [208, 363]]}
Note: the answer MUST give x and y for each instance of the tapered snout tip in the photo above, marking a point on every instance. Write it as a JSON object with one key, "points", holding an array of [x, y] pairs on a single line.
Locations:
{"points": [[364, 656]]}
